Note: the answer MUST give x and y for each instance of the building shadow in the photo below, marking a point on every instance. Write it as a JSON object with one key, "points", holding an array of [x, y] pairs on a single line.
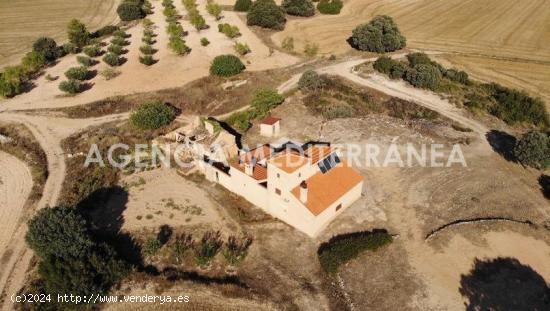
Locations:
{"points": [[103, 210], [504, 284], [502, 143], [544, 182]]}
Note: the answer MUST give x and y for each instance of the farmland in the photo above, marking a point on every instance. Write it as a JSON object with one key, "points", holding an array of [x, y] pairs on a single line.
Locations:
{"points": [[508, 36], [22, 21]]}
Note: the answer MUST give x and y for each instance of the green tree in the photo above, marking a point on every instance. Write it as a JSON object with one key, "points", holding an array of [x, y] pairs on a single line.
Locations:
{"points": [[298, 7], [196, 19], [92, 51], [533, 149], [311, 81], [33, 62], [226, 65], [178, 45], [266, 13], [380, 35], [77, 33], [12, 81], [77, 73], [423, 76], [71, 86], [112, 59], [47, 47], [331, 7], [153, 115], [242, 5], [214, 9], [129, 11]]}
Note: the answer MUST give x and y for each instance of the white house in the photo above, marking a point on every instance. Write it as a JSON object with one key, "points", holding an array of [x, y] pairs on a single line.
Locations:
{"points": [[305, 186], [270, 127]]}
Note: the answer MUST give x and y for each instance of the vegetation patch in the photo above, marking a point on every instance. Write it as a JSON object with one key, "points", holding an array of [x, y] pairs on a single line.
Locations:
{"points": [[226, 65], [151, 116], [298, 7], [380, 35], [343, 248], [533, 149], [266, 14], [331, 7]]}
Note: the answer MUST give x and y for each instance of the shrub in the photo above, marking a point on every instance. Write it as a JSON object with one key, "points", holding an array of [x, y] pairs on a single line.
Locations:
{"points": [[423, 76], [288, 44], [148, 40], [226, 65], [214, 9], [178, 45], [116, 49], [204, 42], [379, 35], [119, 41], [109, 73], [147, 49], [148, 33], [242, 5], [298, 7], [457, 76], [32, 62], [77, 73], [182, 244], [120, 34], [264, 100], [85, 61], [47, 47], [70, 86], [92, 51], [236, 250], [229, 30], [77, 33], [266, 13], [240, 120], [208, 248], [341, 249], [419, 58], [70, 48], [129, 11], [514, 106], [112, 59], [196, 19], [147, 60], [311, 49], [12, 81], [104, 31], [533, 149], [331, 7], [241, 48], [310, 81], [153, 115], [175, 29], [384, 64], [151, 247]]}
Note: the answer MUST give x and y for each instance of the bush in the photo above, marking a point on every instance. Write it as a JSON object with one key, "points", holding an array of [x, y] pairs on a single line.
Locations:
{"points": [[178, 45], [226, 65], [85, 61], [147, 49], [298, 7], [311, 49], [236, 250], [240, 120], [266, 13], [379, 35], [148, 40], [77, 73], [77, 33], [32, 62], [457, 76], [104, 31], [12, 81], [119, 41], [116, 49], [393, 68], [533, 149], [182, 244], [214, 9], [70, 48], [229, 30], [196, 19], [112, 59], [153, 115], [514, 106], [341, 249], [47, 47], [151, 247], [310, 81], [120, 34], [147, 60], [242, 5], [70, 86], [92, 51], [208, 248], [109, 73], [175, 29], [264, 100], [204, 42], [288, 44], [241, 48], [331, 7], [129, 11], [423, 76]]}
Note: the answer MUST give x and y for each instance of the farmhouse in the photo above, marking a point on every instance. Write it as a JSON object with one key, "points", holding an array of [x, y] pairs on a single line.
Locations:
{"points": [[306, 186]]}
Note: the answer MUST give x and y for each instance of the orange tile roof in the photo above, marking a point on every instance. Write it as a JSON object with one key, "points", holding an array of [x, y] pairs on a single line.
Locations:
{"points": [[289, 161], [316, 153], [326, 189], [260, 172], [258, 153], [270, 120]]}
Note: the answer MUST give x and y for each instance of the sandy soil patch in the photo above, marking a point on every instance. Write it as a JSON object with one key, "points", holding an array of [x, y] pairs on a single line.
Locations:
{"points": [[170, 71], [15, 187]]}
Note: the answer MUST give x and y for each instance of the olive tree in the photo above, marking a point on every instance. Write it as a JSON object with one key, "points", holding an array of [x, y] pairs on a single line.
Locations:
{"points": [[380, 35]]}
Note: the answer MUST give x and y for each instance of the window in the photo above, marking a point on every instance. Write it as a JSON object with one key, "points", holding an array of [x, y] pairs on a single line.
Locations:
{"points": [[278, 175], [278, 191], [338, 207]]}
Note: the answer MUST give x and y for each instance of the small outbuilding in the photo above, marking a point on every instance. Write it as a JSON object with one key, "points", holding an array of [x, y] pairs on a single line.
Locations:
{"points": [[270, 127]]}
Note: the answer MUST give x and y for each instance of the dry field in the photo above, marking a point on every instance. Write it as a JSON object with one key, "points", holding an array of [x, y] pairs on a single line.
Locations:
{"points": [[22, 21], [515, 32]]}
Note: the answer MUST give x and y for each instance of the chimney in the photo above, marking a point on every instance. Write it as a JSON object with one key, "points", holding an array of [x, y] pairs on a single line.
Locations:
{"points": [[303, 192], [249, 166]]}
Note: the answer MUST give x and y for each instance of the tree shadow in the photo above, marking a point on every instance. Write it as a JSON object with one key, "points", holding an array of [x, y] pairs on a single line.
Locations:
{"points": [[104, 210], [164, 234], [504, 284], [544, 182], [351, 43], [502, 143]]}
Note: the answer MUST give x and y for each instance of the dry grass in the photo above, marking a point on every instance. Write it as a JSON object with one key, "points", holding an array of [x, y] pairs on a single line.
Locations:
{"points": [[23, 21]]}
